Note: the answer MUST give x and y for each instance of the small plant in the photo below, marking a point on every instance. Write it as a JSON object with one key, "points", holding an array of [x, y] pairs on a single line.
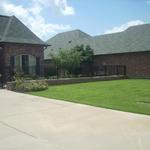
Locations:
{"points": [[18, 77], [32, 85], [23, 85]]}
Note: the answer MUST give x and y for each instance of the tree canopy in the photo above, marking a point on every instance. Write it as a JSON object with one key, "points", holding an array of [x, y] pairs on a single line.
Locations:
{"points": [[86, 53], [69, 60]]}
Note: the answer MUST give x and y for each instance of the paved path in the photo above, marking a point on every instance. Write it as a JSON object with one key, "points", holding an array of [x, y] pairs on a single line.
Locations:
{"points": [[35, 123]]}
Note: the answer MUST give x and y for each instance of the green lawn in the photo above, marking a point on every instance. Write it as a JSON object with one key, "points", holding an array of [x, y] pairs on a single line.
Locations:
{"points": [[126, 95]]}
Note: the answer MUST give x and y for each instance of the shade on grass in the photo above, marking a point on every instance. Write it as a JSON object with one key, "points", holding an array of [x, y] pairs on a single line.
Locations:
{"points": [[126, 95]]}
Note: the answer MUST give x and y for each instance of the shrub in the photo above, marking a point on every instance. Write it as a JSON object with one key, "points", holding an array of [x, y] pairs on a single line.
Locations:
{"points": [[24, 83], [28, 86]]}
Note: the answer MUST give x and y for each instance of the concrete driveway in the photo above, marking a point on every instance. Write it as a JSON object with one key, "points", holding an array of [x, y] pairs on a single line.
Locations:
{"points": [[35, 123]]}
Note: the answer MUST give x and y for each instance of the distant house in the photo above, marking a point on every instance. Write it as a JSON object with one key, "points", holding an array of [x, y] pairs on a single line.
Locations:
{"points": [[20, 48], [130, 48]]}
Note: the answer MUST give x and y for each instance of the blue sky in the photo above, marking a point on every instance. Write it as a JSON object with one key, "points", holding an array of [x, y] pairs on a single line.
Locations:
{"points": [[49, 17]]}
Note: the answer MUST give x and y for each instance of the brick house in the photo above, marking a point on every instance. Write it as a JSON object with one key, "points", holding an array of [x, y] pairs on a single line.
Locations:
{"points": [[20, 49], [130, 48]]}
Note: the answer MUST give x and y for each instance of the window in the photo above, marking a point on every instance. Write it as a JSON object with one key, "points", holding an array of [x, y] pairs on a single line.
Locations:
{"points": [[24, 63], [32, 64]]}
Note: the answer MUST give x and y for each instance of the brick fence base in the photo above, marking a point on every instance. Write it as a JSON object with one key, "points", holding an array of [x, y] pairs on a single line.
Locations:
{"points": [[83, 79], [10, 85]]}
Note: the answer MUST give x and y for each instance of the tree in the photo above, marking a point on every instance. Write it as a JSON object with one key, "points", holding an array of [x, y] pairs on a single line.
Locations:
{"points": [[86, 58], [70, 60], [86, 53], [79, 48], [67, 60]]}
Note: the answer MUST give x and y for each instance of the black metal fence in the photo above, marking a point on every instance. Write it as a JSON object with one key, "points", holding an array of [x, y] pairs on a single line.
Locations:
{"points": [[102, 70], [107, 70], [89, 70]]}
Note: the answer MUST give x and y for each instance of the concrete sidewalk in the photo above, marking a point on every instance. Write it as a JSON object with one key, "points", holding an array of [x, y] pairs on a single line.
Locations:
{"points": [[35, 123]]}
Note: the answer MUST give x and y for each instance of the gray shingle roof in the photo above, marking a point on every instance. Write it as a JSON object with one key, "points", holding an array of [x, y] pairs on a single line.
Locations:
{"points": [[65, 40], [13, 30], [134, 39]]}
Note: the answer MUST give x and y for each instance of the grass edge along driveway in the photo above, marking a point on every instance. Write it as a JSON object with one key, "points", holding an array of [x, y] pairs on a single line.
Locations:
{"points": [[131, 95]]}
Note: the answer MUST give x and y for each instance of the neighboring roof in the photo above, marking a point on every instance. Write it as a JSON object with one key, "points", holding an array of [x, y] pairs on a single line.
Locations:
{"points": [[13, 30], [65, 40], [134, 39], [69, 35]]}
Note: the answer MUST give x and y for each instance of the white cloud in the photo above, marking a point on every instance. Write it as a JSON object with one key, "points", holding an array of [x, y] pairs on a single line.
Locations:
{"points": [[124, 26], [10, 9], [64, 8], [32, 17], [61, 5]]}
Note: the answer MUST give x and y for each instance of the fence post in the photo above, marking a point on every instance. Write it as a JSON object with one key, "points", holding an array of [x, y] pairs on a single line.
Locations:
{"points": [[117, 69], [105, 68], [125, 70]]}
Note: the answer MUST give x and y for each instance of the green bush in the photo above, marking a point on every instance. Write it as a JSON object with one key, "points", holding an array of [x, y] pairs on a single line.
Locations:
{"points": [[24, 83], [28, 86]]}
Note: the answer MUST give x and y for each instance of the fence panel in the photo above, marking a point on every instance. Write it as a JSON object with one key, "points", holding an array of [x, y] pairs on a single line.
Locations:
{"points": [[107, 70]]}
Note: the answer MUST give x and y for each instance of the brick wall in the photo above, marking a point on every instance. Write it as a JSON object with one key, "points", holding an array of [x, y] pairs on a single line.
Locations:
{"points": [[137, 64], [17, 49]]}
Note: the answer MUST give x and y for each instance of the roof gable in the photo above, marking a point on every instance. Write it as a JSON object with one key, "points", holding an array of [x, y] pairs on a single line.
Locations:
{"points": [[13, 30], [3, 23], [69, 35], [66, 40]]}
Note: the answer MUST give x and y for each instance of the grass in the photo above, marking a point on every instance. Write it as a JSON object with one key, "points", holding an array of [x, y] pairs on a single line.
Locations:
{"points": [[131, 95]]}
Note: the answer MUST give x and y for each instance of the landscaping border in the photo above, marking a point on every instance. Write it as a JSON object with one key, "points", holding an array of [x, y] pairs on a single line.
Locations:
{"points": [[83, 79], [10, 85]]}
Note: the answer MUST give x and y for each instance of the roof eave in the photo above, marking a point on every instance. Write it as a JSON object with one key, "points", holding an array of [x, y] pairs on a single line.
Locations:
{"points": [[26, 43]]}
